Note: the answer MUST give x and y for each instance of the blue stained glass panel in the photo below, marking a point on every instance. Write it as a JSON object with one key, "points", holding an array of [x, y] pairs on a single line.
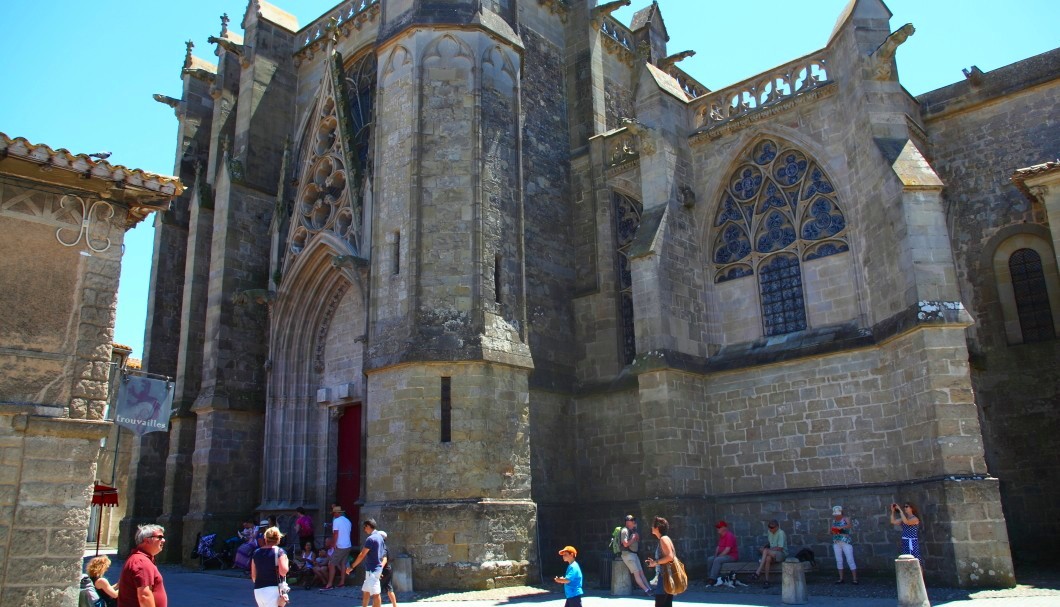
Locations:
{"points": [[747, 183], [765, 152], [775, 233], [780, 282]]}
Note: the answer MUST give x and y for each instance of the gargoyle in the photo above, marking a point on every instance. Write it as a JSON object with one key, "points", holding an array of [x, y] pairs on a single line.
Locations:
{"points": [[228, 45], [164, 99], [883, 57], [672, 59], [262, 297], [351, 262], [607, 8]]}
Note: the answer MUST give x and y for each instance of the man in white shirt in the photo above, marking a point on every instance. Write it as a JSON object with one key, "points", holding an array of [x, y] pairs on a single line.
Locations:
{"points": [[340, 534]]}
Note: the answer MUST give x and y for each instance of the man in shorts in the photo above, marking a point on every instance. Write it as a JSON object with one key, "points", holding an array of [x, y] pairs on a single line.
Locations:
{"points": [[342, 528], [372, 555], [630, 541]]}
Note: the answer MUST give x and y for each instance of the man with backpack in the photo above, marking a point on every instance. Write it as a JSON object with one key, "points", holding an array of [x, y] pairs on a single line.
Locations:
{"points": [[629, 544]]}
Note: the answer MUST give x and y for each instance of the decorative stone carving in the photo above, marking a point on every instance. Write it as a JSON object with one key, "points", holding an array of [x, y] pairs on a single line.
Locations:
{"points": [[557, 7], [883, 58], [262, 297], [778, 200], [335, 160], [764, 91]]}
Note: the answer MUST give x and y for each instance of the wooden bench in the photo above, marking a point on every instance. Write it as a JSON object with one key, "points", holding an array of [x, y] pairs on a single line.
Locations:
{"points": [[749, 567]]}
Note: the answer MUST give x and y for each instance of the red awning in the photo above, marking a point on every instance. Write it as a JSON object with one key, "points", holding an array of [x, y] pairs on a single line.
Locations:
{"points": [[102, 495]]}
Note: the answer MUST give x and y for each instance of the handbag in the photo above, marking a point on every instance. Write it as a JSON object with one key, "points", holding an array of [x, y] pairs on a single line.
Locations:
{"points": [[283, 587], [675, 580]]}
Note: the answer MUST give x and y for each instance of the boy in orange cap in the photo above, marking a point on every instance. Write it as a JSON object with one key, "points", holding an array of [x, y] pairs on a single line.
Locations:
{"points": [[572, 580]]}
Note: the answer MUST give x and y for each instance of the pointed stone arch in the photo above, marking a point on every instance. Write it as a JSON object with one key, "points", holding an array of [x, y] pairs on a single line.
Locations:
{"points": [[778, 209], [331, 168], [299, 429], [446, 50]]}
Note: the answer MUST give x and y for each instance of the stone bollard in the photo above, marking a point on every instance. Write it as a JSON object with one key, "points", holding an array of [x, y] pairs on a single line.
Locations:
{"points": [[402, 579], [621, 584], [793, 584], [911, 590]]}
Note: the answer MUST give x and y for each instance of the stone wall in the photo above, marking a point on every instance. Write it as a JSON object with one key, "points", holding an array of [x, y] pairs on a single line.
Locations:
{"points": [[57, 329], [463, 512], [980, 134]]}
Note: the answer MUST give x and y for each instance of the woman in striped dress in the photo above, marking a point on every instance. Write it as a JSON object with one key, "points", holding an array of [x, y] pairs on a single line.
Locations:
{"points": [[907, 518]]}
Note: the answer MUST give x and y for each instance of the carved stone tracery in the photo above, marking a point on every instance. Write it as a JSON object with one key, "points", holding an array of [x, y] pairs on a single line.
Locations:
{"points": [[335, 159]]}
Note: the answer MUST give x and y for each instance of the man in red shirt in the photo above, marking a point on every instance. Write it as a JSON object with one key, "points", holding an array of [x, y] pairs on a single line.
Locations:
{"points": [[727, 551], [140, 584]]}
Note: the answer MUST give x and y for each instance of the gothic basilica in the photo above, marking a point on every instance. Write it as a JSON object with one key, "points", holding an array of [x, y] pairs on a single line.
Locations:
{"points": [[498, 272]]}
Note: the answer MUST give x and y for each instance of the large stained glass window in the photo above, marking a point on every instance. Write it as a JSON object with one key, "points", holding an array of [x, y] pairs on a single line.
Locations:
{"points": [[1032, 299], [778, 210], [627, 213]]}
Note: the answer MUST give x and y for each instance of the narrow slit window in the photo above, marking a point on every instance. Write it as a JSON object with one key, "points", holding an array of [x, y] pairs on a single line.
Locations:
{"points": [[447, 410], [497, 289], [397, 252]]}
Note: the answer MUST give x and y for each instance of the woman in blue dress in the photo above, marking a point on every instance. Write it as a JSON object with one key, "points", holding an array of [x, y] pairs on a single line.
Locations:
{"points": [[907, 519]]}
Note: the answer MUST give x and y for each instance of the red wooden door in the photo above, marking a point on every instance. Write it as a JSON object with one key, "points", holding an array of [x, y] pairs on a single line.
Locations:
{"points": [[348, 483]]}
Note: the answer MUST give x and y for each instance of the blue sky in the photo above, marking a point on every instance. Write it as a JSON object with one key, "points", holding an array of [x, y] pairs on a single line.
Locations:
{"points": [[79, 75]]}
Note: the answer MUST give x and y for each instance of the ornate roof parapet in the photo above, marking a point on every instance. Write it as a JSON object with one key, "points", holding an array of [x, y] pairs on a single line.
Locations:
{"points": [[618, 40], [343, 20], [622, 148], [692, 87], [758, 93]]}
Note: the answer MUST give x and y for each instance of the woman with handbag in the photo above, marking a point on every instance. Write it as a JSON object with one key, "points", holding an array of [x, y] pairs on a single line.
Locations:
{"points": [[268, 570], [672, 578]]}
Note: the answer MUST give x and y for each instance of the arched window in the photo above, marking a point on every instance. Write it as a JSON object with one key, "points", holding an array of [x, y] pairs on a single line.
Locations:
{"points": [[627, 213], [778, 210], [1032, 299]]}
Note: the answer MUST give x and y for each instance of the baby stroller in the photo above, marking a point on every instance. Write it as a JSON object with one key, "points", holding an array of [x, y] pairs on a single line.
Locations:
{"points": [[205, 552]]}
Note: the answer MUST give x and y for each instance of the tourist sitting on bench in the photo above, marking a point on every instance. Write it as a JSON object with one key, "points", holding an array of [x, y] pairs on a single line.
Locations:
{"points": [[773, 551], [726, 552]]}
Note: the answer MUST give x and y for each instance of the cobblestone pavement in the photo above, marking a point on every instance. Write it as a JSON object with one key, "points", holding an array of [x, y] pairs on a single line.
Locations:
{"points": [[193, 588]]}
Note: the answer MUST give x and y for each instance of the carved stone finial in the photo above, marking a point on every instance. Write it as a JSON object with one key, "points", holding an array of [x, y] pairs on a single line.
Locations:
{"points": [[224, 24], [883, 57], [332, 30], [187, 53]]}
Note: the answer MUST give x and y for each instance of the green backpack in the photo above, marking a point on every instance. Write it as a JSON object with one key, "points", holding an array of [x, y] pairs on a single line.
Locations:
{"points": [[616, 542]]}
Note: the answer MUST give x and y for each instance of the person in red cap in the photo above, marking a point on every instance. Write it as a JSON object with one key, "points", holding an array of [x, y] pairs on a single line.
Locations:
{"points": [[572, 580], [727, 551]]}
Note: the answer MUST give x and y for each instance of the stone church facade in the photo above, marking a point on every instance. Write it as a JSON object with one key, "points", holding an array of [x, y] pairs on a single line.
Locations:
{"points": [[497, 272]]}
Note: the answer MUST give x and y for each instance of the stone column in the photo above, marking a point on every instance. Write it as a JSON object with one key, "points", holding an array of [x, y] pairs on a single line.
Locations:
{"points": [[793, 583], [621, 584], [911, 590]]}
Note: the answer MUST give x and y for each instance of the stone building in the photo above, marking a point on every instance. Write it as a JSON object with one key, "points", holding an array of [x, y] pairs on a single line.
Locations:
{"points": [[497, 272], [63, 217]]}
